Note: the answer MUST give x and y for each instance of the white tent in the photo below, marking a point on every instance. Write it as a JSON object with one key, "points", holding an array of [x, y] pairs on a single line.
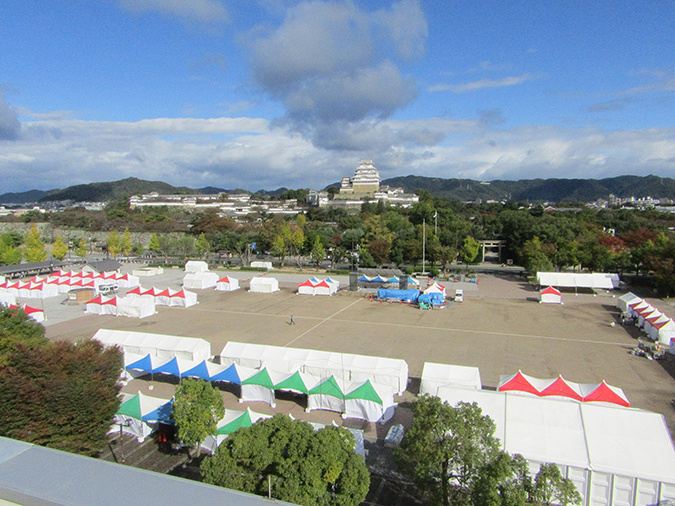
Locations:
{"points": [[227, 284], [607, 281], [626, 299], [142, 343], [322, 364], [550, 295], [182, 298], [368, 401], [615, 456], [7, 299], [200, 280], [127, 280], [436, 288], [196, 266], [256, 385], [327, 395], [435, 376], [665, 332], [35, 313], [261, 265], [264, 285], [140, 414], [652, 324], [102, 305], [135, 307], [306, 288], [231, 421]]}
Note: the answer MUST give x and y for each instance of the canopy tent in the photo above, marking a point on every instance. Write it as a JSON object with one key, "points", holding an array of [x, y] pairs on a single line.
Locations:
{"points": [[326, 395], [264, 285], [148, 293], [550, 295], [333, 281], [607, 281], [232, 421], [595, 392], [316, 286], [161, 345], [636, 306], [412, 281], [435, 376], [135, 307], [296, 382], [102, 305], [35, 313], [436, 287], [196, 266], [204, 370], [652, 324], [200, 280], [403, 295], [306, 288], [393, 279], [7, 299], [643, 313], [614, 456], [366, 401], [665, 332], [140, 414], [256, 385], [182, 298], [625, 300], [127, 280], [322, 364], [227, 284]]}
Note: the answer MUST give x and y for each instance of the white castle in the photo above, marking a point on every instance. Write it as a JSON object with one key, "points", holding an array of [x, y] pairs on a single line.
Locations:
{"points": [[366, 180]]}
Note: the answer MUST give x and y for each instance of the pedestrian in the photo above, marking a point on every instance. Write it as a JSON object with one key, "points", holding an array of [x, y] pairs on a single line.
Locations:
{"points": [[292, 320]]}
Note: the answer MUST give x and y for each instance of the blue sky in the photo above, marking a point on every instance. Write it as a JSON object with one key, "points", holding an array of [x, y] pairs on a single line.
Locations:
{"points": [[268, 93]]}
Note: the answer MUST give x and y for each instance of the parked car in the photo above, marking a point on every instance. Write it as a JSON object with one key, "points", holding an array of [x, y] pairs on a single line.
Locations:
{"points": [[459, 295], [108, 289]]}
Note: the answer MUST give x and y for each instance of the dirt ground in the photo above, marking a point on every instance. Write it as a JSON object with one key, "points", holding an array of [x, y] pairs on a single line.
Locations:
{"points": [[499, 328]]}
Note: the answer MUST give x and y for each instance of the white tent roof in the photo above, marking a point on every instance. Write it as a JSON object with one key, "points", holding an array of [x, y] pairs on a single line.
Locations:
{"points": [[602, 438], [438, 375], [196, 266], [162, 345], [264, 284], [575, 280], [627, 299], [200, 279], [380, 370]]}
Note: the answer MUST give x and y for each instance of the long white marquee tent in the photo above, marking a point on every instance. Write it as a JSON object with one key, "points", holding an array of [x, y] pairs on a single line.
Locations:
{"points": [[389, 372], [606, 281], [161, 345], [435, 376], [615, 456]]}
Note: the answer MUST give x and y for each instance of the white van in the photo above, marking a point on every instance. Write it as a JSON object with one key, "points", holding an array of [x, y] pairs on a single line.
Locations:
{"points": [[108, 289], [459, 295]]}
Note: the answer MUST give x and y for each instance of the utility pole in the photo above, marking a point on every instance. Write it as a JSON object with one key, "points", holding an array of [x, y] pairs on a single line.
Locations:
{"points": [[424, 245]]}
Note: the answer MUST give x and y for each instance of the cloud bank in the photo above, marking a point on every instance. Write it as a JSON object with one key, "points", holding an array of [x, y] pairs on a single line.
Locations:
{"points": [[333, 65]]}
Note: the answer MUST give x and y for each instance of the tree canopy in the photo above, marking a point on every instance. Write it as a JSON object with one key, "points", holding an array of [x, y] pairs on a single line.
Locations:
{"points": [[302, 466], [196, 410]]}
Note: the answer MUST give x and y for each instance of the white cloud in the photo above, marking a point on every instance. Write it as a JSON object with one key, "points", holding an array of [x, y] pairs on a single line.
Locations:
{"points": [[247, 153], [333, 62], [485, 83], [205, 11]]}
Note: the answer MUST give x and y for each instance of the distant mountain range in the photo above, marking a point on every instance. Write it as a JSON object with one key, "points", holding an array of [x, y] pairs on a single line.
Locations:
{"points": [[532, 190]]}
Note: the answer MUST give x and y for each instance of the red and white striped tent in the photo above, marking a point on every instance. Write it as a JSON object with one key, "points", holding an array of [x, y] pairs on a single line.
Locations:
{"points": [[550, 295], [102, 305], [560, 387], [227, 284]]}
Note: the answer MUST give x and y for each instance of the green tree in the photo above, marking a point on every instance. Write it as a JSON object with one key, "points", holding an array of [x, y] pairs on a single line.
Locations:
{"points": [[125, 243], [196, 410], [81, 250], [551, 488], [184, 246], [446, 447], [16, 327], [303, 466], [61, 395], [154, 244], [505, 481], [34, 248], [469, 251], [59, 248], [318, 252], [202, 245], [379, 249], [9, 254], [114, 244]]}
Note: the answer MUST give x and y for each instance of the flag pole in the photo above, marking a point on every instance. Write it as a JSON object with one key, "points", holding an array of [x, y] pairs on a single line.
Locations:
{"points": [[424, 245]]}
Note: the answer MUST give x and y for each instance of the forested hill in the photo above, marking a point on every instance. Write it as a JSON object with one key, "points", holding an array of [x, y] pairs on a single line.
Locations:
{"points": [[532, 190], [548, 190]]}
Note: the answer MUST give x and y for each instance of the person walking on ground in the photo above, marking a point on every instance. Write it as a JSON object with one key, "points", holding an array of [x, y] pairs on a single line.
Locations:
{"points": [[292, 321]]}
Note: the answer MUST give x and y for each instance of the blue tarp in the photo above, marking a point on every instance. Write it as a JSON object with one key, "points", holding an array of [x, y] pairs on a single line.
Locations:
{"points": [[407, 295], [435, 299]]}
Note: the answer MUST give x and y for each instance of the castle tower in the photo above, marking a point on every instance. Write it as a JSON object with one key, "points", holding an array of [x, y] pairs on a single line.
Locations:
{"points": [[366, 180]]}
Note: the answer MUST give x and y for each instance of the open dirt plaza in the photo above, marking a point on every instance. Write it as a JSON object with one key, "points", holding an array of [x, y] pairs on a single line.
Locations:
{"points": [[499, 328]]}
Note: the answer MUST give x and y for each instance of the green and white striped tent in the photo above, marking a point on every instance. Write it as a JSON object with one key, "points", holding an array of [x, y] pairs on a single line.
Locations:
{"points": [[368, 401]]}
